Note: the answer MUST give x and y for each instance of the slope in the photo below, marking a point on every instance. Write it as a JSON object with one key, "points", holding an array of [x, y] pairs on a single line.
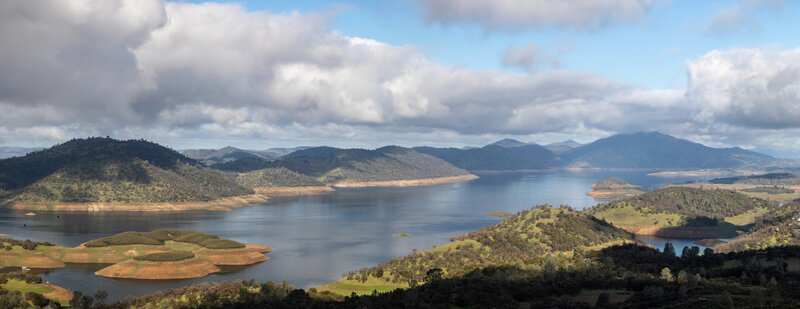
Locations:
{"points": [[104, 170], [683, 212], [496, 158], [779, 227], [211, 156]]}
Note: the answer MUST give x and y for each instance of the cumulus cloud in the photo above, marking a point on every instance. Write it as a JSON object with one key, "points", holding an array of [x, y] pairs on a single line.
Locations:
{"points": [[528, 58], [742, 17], [534, 14]]}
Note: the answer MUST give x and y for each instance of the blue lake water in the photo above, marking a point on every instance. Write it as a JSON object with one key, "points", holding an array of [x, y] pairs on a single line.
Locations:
{"points": [[320, 237]]}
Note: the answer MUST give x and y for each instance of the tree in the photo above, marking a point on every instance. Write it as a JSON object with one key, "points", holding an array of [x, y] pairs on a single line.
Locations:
{"points": [[666, 274], [708, 252], [669, 249], [433, 275], [683, 277], [602, 300], [101, 296], [725, 300]]}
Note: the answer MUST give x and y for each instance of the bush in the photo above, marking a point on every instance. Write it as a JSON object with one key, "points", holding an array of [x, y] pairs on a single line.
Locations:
{"points": [[126, 238], [166, 256], [221, 244]]}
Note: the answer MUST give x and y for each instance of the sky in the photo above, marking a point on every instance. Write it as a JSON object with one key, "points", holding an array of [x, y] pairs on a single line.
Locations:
{"points": [[262, 74]]}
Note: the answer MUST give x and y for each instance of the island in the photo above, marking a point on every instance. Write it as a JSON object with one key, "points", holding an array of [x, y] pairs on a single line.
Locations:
{"points": [[160, 254], [614, 188]]}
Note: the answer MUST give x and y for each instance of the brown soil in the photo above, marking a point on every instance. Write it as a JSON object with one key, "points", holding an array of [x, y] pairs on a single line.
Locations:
{"points": [[184, 269], [220, 204], [293, 190], [31, 259], [57, 293], [260, 248], [243, 256], [708, 242], [406, 183], [673, 232]]}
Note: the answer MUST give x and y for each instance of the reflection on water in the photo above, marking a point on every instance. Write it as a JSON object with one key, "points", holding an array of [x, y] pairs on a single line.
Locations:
{"points": [[318, 238]]}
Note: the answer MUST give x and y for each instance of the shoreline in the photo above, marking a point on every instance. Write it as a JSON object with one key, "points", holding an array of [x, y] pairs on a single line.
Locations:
{"points": [[223, 204], [406, 183], [676, 232], [293, 190]]}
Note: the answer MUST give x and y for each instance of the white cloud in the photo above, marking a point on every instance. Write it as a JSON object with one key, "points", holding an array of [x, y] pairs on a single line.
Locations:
{"points": [[534, 14], [742, 16], [528, 58]]}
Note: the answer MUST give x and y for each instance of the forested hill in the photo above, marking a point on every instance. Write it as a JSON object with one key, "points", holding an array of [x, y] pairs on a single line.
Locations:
{"points": [[656, 150], [212, 156], [526, 238], [495, 157], [689, 202], [332, 165], [95, 170], [779, 227]]}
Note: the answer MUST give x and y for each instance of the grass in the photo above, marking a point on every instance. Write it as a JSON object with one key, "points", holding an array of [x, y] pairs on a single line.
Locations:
{"points": [[346, 287], [499, 213], [402, 234], [590, 296], [747, 218], [629, 216], [24, 287]]}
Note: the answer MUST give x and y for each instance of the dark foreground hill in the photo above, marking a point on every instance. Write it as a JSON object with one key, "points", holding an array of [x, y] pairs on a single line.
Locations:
{"points": [[104, 170]]}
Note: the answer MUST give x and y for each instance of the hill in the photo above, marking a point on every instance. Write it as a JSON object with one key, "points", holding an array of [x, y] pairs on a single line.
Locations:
{"points": [[524, 238], [496, 158], [9, 152], [280, 152], [227, 154], [656, 150], [508, 143], [332, 165], [275, 177], [779, 227], [683, 212], [104, 170], [562, 147]]}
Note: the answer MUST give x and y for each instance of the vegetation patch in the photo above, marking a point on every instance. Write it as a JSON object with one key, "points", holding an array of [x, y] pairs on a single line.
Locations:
{"points": [[402, 234], [499, 214], [165, 256]]}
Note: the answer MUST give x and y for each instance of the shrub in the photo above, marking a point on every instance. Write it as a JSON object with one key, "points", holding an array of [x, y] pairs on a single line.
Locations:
{"points": [[166, 256]]}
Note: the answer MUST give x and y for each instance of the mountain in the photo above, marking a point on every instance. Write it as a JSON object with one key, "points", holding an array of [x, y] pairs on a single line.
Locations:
{"points": [[280, 152], [683, 211], [331, 165], [9, 152], [656, 150], [227, 154], [493, 157], [104, 170], [508, 143], [562, 147], [275, 177]]}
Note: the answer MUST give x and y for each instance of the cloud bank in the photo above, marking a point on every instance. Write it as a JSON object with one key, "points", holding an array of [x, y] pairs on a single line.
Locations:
{"points": [[216, 72]]}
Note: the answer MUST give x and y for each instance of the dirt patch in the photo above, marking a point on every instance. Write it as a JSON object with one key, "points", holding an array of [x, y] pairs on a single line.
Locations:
{"points": [[406, 183], [222, 204], [29, 259], [260, 248], [293, 190], [58, 293], [184, 269], [243, 256]]}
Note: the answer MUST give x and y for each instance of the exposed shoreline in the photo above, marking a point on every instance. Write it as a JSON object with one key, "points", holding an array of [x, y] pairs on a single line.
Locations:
{"points": [[293, 190], [406, 183], [223, 204]]}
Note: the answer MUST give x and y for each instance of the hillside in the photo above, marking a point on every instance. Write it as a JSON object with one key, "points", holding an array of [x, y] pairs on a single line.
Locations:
{"points": [[227, 154], [779, 227], [656, 150], [562, 147], [495, 157], [524, 238], [275, 177], [104, 170], [8, 152], [332, 165], [683, 212]]}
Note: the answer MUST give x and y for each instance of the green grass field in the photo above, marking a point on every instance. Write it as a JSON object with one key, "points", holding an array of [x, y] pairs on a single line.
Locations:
{"points": [[346, 287]]}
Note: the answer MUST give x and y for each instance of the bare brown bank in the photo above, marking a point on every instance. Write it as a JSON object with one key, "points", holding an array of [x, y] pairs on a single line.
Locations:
{"points": [[405, 183]]}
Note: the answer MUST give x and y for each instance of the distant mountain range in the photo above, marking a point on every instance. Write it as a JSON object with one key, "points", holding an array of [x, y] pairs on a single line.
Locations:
{"points": [[637, 150], [227, 154], [9, 152]]}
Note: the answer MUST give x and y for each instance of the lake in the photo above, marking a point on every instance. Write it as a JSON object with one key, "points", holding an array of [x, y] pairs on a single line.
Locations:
{"points": [[318, 238]]}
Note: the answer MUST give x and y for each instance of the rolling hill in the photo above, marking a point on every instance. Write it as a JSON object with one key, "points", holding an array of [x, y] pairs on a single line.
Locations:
{"points": [[275, 177], [779, 227], [683, 212], [227, 154], [104, 170], [494, 157], [656, 150]]}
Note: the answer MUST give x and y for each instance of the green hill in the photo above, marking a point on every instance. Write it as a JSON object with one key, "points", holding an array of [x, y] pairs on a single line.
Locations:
{"points": [[495, 157], [778, 227], [275, 177], [525, 238], [104, 170], [698, 211], [332, 165]]}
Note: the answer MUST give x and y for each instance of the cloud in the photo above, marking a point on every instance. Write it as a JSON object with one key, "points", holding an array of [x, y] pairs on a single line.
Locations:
{"points": [[536, 14], [742, 17], [528, 58]]}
